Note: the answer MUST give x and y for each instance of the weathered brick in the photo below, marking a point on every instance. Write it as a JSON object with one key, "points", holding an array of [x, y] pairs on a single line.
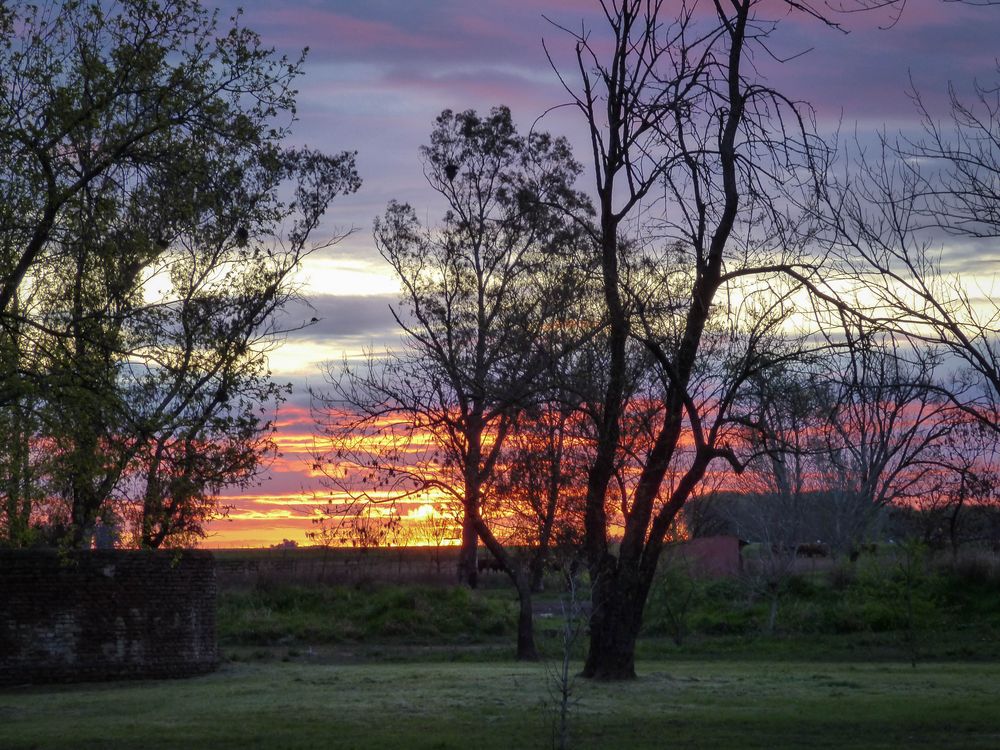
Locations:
{"points": [[106, 614]]}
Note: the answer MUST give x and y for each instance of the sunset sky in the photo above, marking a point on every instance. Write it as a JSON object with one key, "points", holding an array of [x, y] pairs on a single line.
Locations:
{"points": [[379, 71]]}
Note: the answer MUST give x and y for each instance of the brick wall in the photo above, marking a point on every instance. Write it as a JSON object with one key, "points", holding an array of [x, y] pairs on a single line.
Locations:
{"points": [[108, 614]]}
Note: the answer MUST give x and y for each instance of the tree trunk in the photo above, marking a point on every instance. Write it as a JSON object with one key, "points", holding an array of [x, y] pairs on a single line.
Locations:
{"points": [[468, 569], [614, 625], [612, 649], [85, 501], [19, 481], [772, 615], [526, 650], [468, 555], [154, 520], [953, 526], [84, 517]]}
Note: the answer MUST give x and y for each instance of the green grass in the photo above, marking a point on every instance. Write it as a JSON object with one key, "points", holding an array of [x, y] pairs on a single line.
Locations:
{"points": [[857, 613], [508, 705], [865, 605], [423, 615]]}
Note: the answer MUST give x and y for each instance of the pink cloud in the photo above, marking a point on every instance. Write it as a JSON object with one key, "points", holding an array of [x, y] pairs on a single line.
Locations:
{"points": [[328, 30]]}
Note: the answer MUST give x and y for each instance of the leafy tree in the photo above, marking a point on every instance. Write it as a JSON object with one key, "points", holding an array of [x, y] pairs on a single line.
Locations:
{"points": [[145, 188], [477, 296]]}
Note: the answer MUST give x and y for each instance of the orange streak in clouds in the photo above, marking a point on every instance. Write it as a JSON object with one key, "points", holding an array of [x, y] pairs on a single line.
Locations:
{"points": [[291, 494]]}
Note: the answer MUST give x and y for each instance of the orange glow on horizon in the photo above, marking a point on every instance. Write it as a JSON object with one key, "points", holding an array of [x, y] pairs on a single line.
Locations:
{"points": [[262, 519], [258, 518]]}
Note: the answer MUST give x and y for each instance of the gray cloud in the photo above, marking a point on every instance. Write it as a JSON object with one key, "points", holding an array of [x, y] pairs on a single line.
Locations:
{"points": [[342, 317]]}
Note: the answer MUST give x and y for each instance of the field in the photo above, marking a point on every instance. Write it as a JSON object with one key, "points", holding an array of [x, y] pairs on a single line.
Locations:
{"points": [[372, 664], [487, 705]]}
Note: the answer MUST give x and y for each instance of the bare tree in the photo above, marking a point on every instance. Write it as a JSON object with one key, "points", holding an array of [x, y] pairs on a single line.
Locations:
{"points": [[888, 414], [897, 210], [561, 678], [683, 133], [783, 411], [846, 436], [959, 487]]}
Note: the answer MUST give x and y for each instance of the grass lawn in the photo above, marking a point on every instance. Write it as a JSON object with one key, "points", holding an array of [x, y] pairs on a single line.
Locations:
{"points": [[483, 705]]}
